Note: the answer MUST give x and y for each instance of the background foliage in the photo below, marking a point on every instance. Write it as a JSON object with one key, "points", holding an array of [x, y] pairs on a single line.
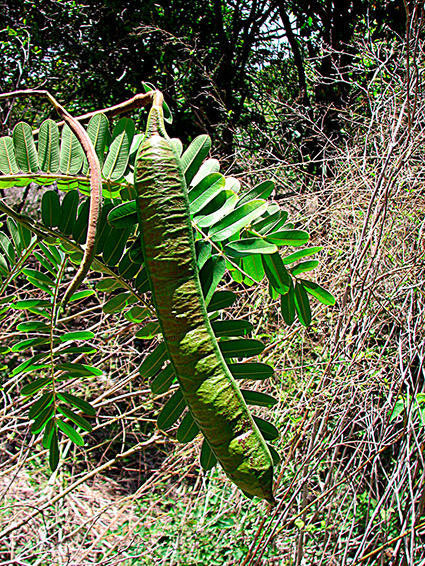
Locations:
{"points": [[333, 114]]}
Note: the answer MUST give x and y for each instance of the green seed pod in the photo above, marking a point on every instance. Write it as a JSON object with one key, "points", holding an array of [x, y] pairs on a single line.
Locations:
{"points": [[209, 389]]}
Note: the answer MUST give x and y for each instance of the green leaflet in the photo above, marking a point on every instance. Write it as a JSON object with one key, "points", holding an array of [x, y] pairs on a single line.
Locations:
{"points": [[268, 430], [249, 246], [52, 440], [318, 292], [38, 276], [304, 266], [7, 247], [149, 331], [194, 156], [231, 327], [163, 381], [78, 370], [71, 152], [209, 166], [153, 362], [42, 419], [287, 305], [288, 237], [48, 147], [207, 458], [25, 151], [211, 275], [119, 150], [261, 191], [77, 402], [188, 429], [35, 386], [113, 247], [270, 222], [257, 398], [236, 220], [302, 304], [69, 212], [171, 411], [127, 268], [276, 273], [41, 404], [253, 371], [243, 348], [205, 191], [79, 230], [105, 230], [123, 215], [221, 300], [253, 265], [117, 303], [301, 254], [77, 335], [51, 211], [70, 432], [98, 132], [77, 419], [203, 252], [215, 210], [8, 164]]}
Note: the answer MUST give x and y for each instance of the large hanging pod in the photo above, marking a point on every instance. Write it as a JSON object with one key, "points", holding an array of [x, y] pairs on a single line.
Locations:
{"points": [[208, 387]]}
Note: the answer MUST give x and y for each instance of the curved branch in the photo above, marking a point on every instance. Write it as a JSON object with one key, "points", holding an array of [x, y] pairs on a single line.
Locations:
{"points": [[95, 184]]}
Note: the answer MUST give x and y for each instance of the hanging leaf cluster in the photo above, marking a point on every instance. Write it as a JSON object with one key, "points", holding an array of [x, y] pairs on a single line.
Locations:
{"points": [[245, 235]]}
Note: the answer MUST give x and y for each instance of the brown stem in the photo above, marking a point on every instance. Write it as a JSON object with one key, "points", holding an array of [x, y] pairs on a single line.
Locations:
{"points": [[138, 101]]}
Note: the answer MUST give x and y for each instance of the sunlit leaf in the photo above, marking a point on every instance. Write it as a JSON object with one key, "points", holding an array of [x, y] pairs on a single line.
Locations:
{"points": [[261, 191], [209, 166], [288, 237], [276, 273], [194, 155], [70, 432], [237, 219], [318, 292], [249, 246], [301, 254], [205, 191]]}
